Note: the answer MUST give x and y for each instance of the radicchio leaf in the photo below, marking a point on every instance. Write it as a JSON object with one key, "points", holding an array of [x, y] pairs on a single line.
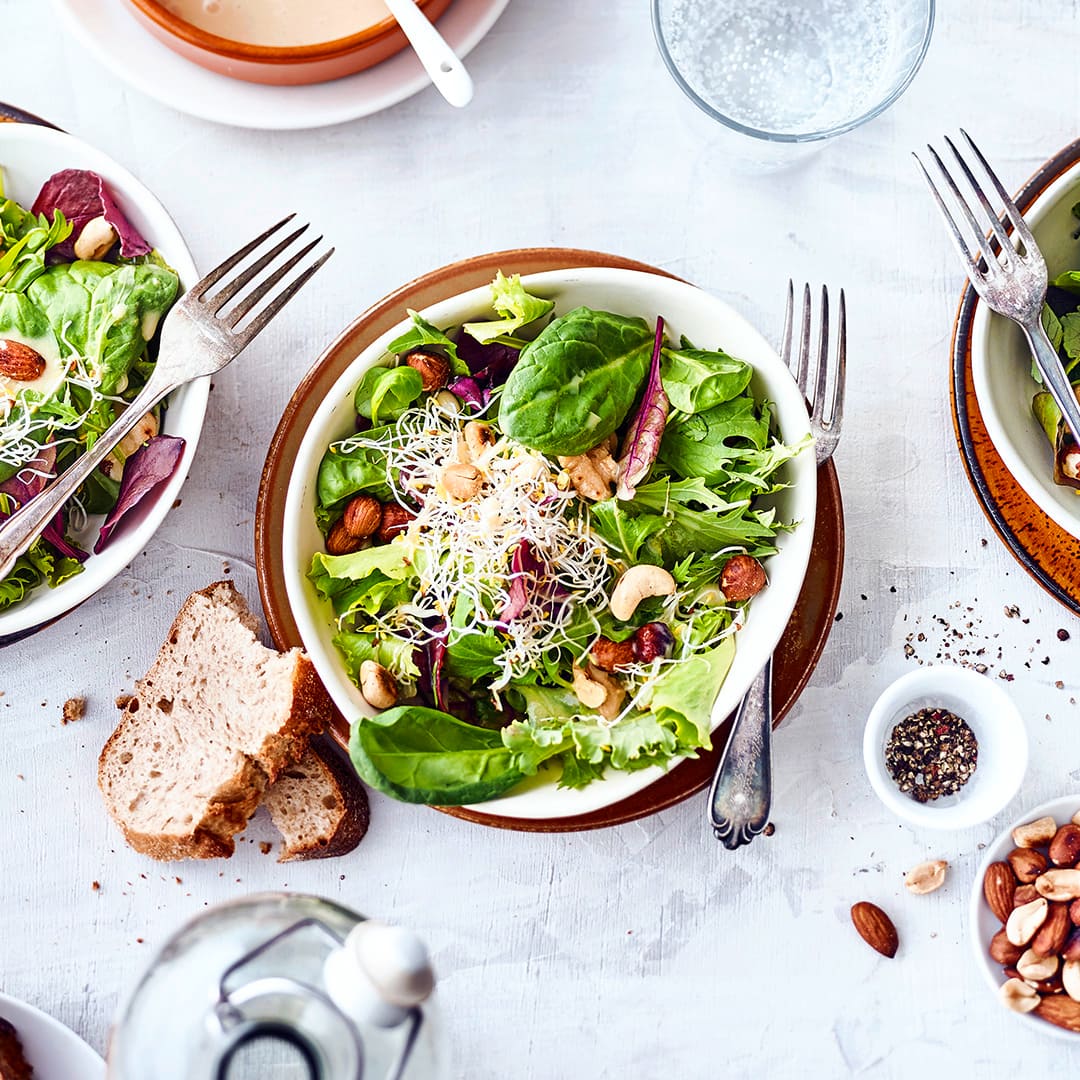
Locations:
{"points": [[490, 365], [81, 196], [431, 660], [37, 473], [152, 464], [528, 580], [468, 390], [642, 441]]}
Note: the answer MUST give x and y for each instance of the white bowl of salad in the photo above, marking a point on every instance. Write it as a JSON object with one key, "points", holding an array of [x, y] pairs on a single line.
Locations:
{"points": [[1021, 419], [541, 536], [91, 264]]}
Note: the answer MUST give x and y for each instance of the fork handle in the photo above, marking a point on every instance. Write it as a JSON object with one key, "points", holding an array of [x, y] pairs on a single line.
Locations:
{"points": [[741, 794], [27, 523], [1057, 382]]}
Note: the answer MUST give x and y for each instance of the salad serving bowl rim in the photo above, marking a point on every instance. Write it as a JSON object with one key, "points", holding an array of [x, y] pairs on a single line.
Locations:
{"points": [[536, 798], [55, 150], [1000, 365]]}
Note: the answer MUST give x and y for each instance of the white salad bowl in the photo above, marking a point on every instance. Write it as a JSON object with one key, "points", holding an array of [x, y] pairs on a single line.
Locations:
{"points": [[689, 311], [29, 155], [1001, 363]]}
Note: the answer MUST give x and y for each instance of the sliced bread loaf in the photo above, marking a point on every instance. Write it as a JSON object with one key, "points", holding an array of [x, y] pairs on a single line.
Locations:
{"points": [[318, 806], [216, 719]]}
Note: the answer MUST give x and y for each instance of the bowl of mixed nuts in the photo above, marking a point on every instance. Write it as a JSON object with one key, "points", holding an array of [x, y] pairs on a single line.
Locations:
{"points": [[1025, 917]]}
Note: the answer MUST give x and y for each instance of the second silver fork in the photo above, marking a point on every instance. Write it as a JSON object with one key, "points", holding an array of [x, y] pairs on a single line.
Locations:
{"points": [[741, 794]]}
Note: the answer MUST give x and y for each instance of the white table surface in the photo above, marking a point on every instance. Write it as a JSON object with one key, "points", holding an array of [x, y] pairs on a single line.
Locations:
{"points": [[647, 950]]}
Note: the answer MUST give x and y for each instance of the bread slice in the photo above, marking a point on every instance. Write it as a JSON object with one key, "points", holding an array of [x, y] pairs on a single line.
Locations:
{"points": [[318, 806], [13, 1065], [216, 719]]}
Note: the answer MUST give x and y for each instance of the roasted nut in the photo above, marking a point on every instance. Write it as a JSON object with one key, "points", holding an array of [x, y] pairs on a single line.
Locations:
{"points": [[1060, 1009], [652, 641], [1070, 978], [1074, 912], [434, 369], [1035, 967], [1024, 895], [608, 655], [378, 686], [95, 240], [614, 693], [1024, 922], [479, 437], [1026, 864], [926, 877], [462, 482], [448, 403], [395, 519], [875, 928], [1059, 884], [590, 692], [1035, 833], [1065, 847], [1054, 932], [1015, 994], [1053, 985], [363, 516], [635, 585], [339, 541], [1003, 950], [998, 886], [742, 578], [113, 465], [19, 362], [592, 474]]}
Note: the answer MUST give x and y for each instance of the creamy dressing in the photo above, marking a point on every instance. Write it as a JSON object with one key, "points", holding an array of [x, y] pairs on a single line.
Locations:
{"points": [[280, 22], [47, 382]]}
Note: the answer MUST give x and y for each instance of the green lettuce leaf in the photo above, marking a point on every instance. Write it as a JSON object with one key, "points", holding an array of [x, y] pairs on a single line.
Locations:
{"points": [[696, 380], [513, 304]]}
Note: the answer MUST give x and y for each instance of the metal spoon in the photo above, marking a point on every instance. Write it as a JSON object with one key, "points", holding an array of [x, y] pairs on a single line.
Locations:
{"points": [[440, 61]]}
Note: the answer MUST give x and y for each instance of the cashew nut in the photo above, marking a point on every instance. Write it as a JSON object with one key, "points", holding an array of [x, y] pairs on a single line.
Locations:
{"points": [[592, 473], [598, 690], [377, 685], [589, 692], [113, 465], [95, 240], [635, 585], [462, 482]]}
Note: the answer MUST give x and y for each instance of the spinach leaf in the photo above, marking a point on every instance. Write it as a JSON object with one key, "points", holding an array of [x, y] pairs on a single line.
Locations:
{"points": [[64, 293], [422, 755], [1070, 339], [575, 383], [513, 304], [385, 393], [342, 475], [1069, 280], [21, 262], [469, 656], [421, 335], [696, 380]]}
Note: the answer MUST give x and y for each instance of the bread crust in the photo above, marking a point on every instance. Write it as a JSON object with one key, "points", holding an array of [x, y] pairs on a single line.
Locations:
{"points": [[13, 1063]]}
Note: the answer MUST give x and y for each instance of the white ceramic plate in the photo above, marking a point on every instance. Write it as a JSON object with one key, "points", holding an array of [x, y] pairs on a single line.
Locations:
{"points": [[28, 156], [55, 1052], [1001, 364], [686, 310], [108, 29], [984, 924]]}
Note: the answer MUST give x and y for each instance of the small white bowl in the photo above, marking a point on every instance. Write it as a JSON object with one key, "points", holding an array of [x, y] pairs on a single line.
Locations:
{"points": [[984, 924], [991, 715], [29, 155]]}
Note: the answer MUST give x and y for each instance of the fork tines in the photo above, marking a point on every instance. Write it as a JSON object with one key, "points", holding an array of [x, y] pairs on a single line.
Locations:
{"points": [[246, 303], [976, 226]]}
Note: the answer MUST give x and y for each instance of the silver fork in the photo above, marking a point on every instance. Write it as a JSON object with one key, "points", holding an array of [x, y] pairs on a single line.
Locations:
{"points": [[1013, 279], [198, 338], [741, 794]]}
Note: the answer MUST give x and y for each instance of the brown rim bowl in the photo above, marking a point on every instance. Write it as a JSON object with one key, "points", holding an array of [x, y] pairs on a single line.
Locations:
{"points": [[278, 65]]}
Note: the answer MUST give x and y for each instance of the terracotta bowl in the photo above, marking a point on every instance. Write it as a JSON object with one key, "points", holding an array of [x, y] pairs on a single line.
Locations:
{"points": [[276, 65]]}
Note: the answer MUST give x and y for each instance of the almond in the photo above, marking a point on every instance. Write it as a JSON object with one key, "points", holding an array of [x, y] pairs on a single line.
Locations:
{"points": [[339, 541], [19, 362], [1060, 1010], [1024, 922], [363, 516], [1065, 847], [875, 928], [1035, 833], [1024, 895], [1059, 884], [1054, 932], [1003, 950], [1015, 994], [926, 877], [998, 886], [1026, 864], [395, 519]]}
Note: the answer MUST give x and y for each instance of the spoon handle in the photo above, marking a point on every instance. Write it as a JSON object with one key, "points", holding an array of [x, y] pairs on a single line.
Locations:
{"points": [[440, 61]]}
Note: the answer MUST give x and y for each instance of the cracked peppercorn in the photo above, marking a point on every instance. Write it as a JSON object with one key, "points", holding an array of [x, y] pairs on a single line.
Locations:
{"points": [[931, 753]]}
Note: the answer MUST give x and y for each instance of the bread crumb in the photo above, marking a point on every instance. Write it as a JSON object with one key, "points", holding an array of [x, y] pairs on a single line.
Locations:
{"points": [[265, 847], [74, 709], [95, 886], [123, 701]]}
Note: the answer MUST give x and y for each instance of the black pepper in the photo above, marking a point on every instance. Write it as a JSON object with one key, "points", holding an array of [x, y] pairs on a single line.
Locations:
{"points": [[931, 753]]}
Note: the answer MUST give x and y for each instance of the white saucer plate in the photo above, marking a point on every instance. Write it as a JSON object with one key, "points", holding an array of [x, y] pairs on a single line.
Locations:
{"points": [[55, 1052]]}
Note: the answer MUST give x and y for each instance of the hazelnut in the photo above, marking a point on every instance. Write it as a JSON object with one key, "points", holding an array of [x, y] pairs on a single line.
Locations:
{"points": [[462, 482], [363, 516], [652, 641], [339, 541], [1003, 950], [1027, 864], [742, 578], [434, 369], [1065, 847], [478, 438], [395, 519], [608, 655], [377, 685]]}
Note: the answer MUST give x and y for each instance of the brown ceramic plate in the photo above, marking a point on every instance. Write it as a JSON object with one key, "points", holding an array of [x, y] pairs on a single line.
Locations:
{"points": [[799, 649], [1045, 550]]}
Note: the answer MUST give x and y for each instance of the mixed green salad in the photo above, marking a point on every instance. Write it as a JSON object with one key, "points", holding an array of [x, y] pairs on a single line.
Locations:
{"points": [[540, 543], [81, 297]]}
